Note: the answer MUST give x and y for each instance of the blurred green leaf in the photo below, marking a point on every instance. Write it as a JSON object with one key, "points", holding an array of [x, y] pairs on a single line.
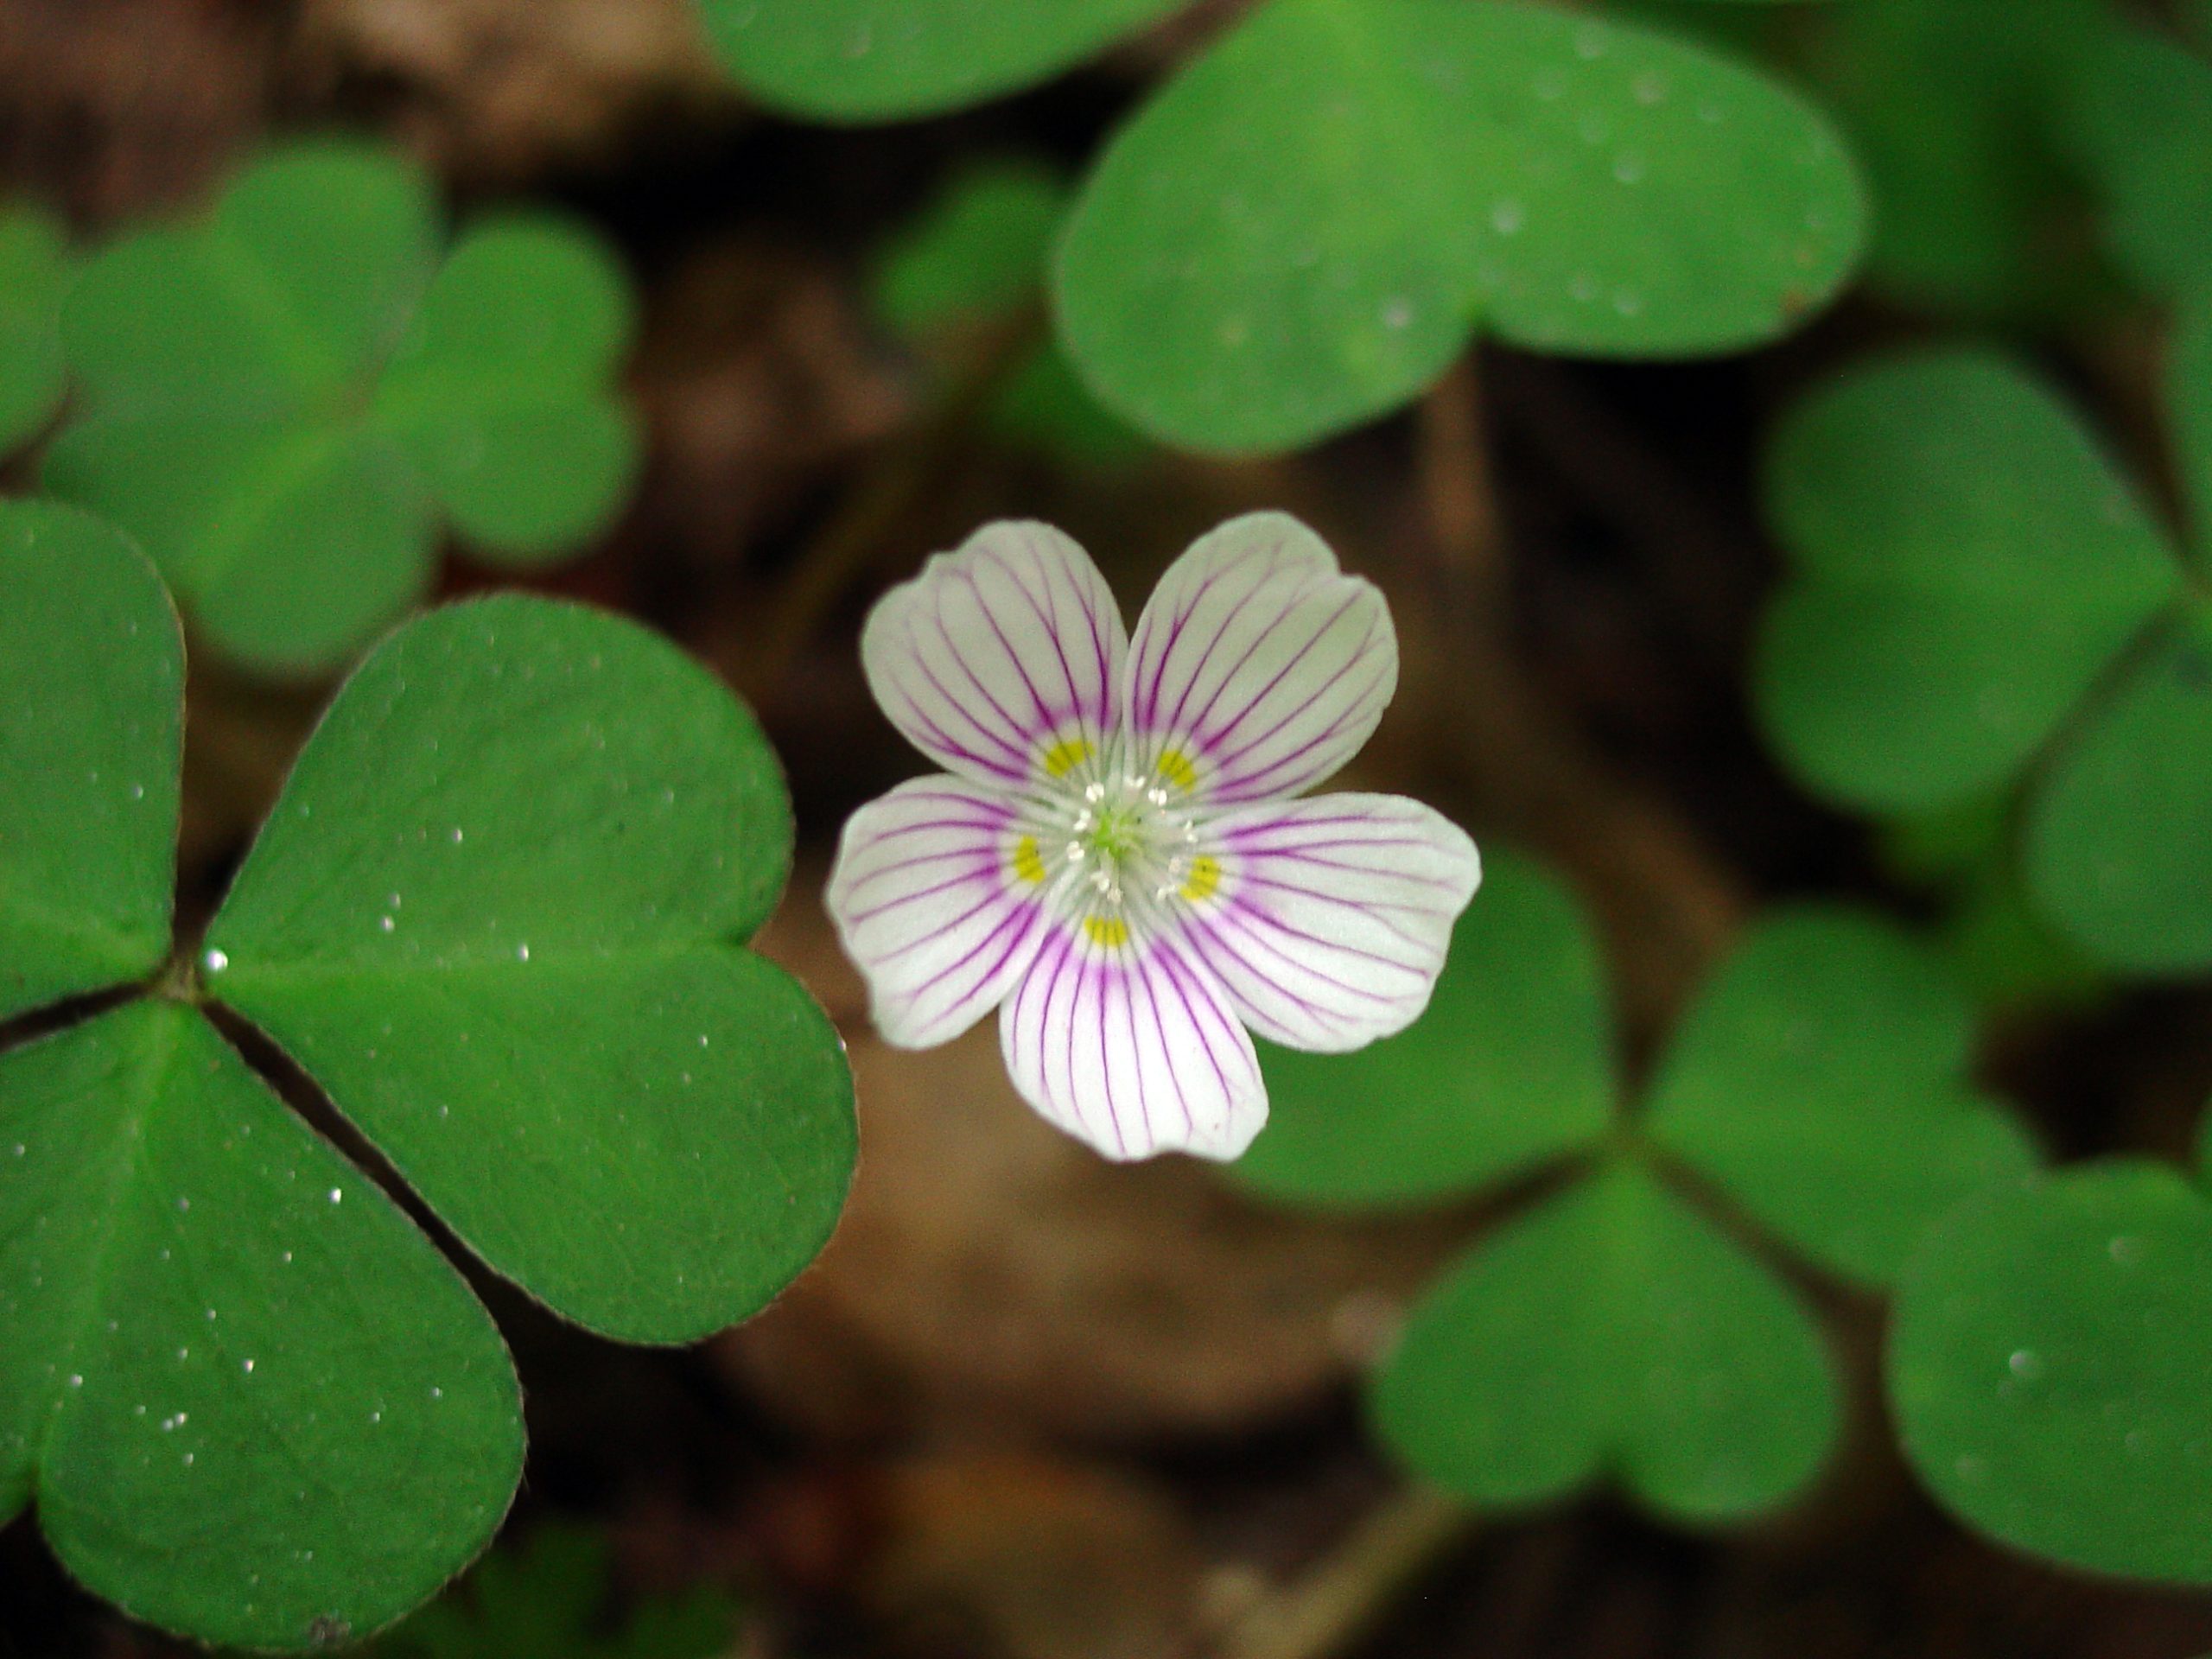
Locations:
{"points": [[33, 274], [2119, 837], [256, 1403], [1613, 1330], [976, 252], [1512, 1066], [2047, 1364], [1957, 124], [2188, 408], [548, 1598], [499, 389], [976, 258], [532, 997], [1968, 564], [1820, 1082], [1310, 222], [283, 397], [1948, 843], [890, 59], [2006, 955], [2143, 117], [91, 676]]}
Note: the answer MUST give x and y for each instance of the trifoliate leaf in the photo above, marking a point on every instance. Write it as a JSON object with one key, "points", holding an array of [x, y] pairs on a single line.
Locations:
{"points": [[1613, 1330], [497, 913], [292, 541], [1308, 224], [2047, 1366], [281, 397], [1968, 564], [255, 1403], [1512, 1065], [888, 60], [499, 389], [2119, 837], [34, 273], [1819, 1083], [91, 679]]}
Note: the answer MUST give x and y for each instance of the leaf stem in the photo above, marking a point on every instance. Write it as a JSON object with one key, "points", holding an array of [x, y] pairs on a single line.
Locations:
{"points": [[1671, 907], [841, 551], [1339, 1599]]}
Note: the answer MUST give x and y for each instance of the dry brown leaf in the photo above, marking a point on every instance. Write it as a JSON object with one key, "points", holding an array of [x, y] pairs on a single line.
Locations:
{"points": [[993, 1277], [499, 93]]}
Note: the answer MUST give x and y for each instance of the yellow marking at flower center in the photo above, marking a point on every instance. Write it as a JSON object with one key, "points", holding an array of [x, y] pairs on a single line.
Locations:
{"points": [[1175, 767], [1029, 862], [1111, 931], [1066, 756], [1203, 881]]}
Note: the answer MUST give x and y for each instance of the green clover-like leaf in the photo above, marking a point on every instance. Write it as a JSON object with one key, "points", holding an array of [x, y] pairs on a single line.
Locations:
{"points": [[548, 1597], [976, 259], [1510, 1067], [2142, 117], [283, 399], [533, 1000], [91, 678], [1954, 121], [1980, 601], [2047, 1368], [889, 60], [1312, 219], [2119, 837], [1968, 564], [1820, 1081], [1612, 1331], [256, 1403], [498, 914], [1817, 1088], [34, 273]]}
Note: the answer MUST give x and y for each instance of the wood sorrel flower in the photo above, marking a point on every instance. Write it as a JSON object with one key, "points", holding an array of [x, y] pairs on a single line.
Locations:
{"points": [[1116, 862]]}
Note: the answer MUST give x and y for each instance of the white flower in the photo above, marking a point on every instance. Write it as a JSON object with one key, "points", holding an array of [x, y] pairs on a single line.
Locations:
{"points": [[1115, 861]]}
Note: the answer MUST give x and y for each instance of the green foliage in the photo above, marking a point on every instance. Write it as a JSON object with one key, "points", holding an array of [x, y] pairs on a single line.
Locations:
{"points": [[92, 675], [1613, 1330], [283, 399], [1309, 223], [1820, 1082], [34, 274], [1964, 132], [2143, 123], [1510, 1068], [1314, 216], [1817, 1088], [497, 913], [547, 1598], [256, 1404], [976, 260], [1978, 602], [888, 60], [2047, 1368]]}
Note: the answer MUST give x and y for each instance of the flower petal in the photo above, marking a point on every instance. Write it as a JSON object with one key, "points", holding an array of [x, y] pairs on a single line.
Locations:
{"points": [[1258, 668], [1132, 1047], [936, 895], [1326, 920], [1001, 661]]}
